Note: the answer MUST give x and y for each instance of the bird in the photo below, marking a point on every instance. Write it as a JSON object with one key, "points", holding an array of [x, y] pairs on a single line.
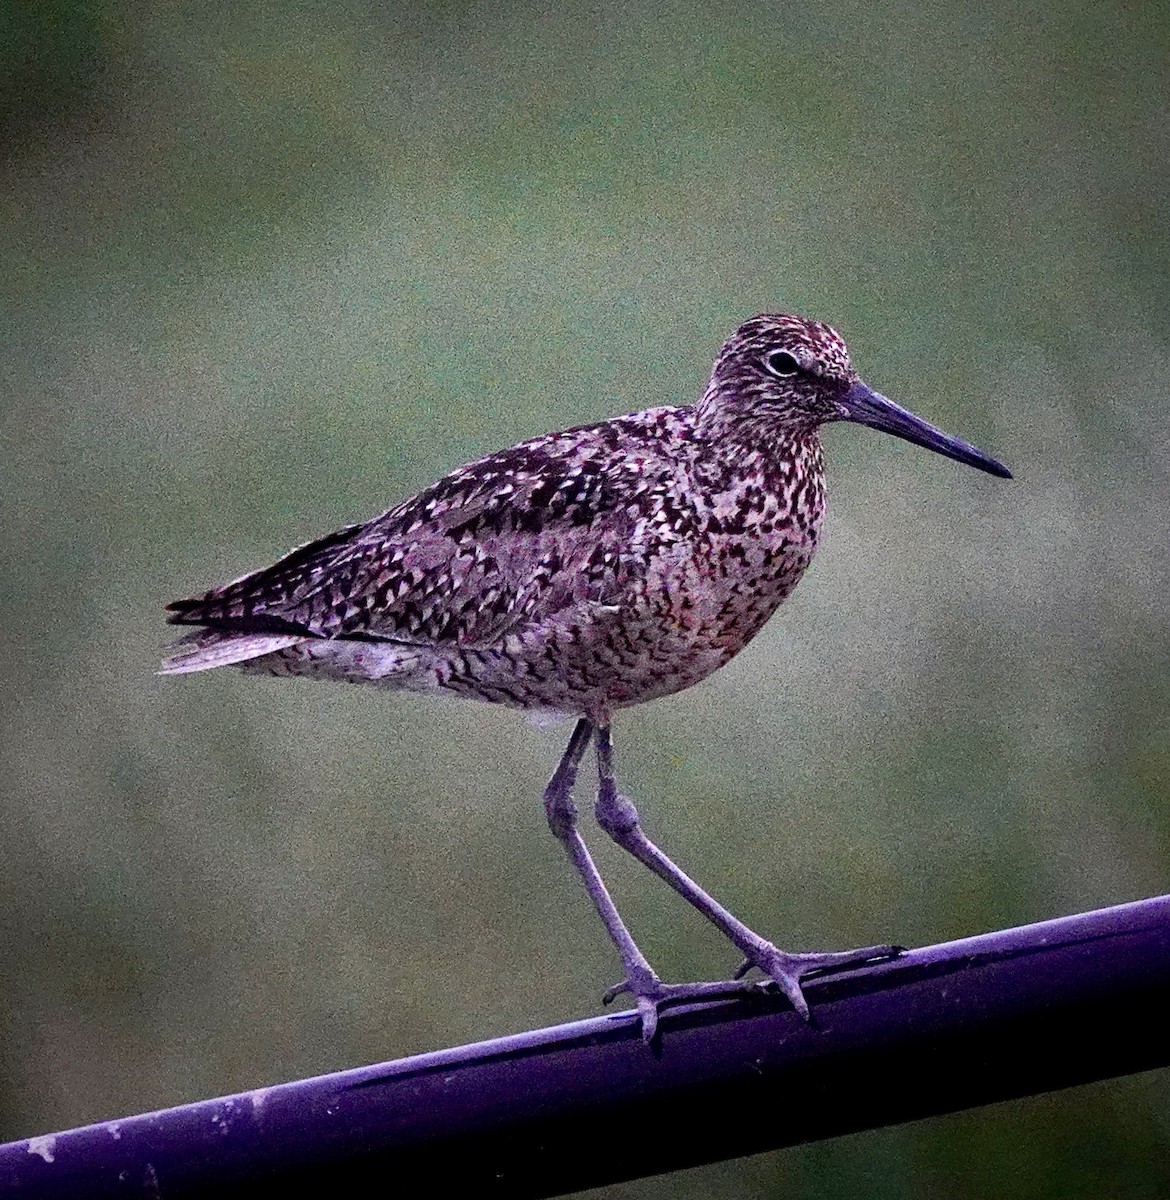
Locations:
{"points": [[580, 573]]}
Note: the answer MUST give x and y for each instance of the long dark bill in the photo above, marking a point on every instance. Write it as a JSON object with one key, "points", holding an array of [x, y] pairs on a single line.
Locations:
{"points": [[867, 407]]}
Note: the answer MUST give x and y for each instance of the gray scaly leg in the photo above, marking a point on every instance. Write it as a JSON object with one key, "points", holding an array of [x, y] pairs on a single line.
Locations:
{"points": [[618, 817], [641, 981]]}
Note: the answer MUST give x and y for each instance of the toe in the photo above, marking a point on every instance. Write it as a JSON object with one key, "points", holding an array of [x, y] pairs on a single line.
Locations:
{"points": [[612, 993], [648, 1011], [790, 985], [787, 970]]}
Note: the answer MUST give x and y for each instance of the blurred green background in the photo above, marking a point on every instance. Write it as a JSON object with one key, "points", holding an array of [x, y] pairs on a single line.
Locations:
{"points": [[268, 268]]}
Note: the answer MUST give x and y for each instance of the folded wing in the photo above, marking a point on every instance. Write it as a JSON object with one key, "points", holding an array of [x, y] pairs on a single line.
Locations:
{"points": [[504, 541]]}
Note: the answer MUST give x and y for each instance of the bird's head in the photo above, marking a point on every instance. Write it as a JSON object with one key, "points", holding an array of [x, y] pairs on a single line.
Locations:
{"points": [[792, 374]]}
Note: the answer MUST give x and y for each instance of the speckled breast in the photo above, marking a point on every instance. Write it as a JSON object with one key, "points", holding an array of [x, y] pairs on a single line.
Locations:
{"points": [[707, 590]]}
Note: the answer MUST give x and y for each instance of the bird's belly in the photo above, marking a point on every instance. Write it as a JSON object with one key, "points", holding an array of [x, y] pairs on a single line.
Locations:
{"points": [[587, 666], [719, 606], [667, 635]]}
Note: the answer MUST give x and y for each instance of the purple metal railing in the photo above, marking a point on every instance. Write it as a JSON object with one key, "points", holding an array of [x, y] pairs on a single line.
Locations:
{"points": [[944, 1028]]}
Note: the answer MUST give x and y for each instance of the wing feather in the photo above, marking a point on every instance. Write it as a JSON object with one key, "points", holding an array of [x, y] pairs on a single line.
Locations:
{"points": [[509, 539]]}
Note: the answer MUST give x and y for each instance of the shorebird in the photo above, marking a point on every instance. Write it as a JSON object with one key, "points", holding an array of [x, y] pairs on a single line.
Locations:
{"points": [[581, 573]]}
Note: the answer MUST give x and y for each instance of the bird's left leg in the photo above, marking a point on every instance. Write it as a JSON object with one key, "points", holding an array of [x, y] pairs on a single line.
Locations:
{"points": [[649, 992], [618, 817]]}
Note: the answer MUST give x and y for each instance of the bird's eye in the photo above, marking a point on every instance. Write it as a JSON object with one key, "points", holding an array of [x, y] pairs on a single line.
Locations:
{"points": [[781, 362]]}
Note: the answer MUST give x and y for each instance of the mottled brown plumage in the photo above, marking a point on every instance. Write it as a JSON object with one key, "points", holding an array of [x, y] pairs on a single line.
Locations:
{"points": [[579, 572]]}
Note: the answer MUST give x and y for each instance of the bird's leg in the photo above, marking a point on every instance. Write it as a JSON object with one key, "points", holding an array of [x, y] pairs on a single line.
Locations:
{"points": [[641, 979], [562, 820], [619, 818]]}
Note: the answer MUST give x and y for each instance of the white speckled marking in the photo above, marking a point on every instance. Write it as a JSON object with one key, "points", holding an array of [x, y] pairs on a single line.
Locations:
{"points": [[43, 1146]]}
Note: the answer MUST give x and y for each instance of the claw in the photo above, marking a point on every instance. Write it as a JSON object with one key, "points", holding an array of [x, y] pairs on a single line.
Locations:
{"points": [[787, 970], [648, 1011], [612, 993], [653, 996], [784, 971]]}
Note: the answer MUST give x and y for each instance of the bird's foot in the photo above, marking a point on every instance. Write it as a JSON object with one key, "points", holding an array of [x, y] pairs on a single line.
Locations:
{"points": [[787, 970], [651, 995]]}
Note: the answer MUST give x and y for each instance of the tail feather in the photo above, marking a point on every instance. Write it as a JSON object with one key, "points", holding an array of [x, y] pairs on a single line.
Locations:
{"points": [[210, 648]]}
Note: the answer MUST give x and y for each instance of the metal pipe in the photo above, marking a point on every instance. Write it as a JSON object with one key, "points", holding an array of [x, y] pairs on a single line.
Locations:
{"points": [[541, 1113]]}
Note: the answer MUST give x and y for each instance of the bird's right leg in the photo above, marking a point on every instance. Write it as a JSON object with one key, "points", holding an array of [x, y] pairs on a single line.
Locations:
{"points": [[641, 980], [619, 818]]}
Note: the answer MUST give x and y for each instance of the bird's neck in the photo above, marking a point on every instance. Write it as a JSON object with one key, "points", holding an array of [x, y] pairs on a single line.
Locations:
{"points": [[752, 437]]}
